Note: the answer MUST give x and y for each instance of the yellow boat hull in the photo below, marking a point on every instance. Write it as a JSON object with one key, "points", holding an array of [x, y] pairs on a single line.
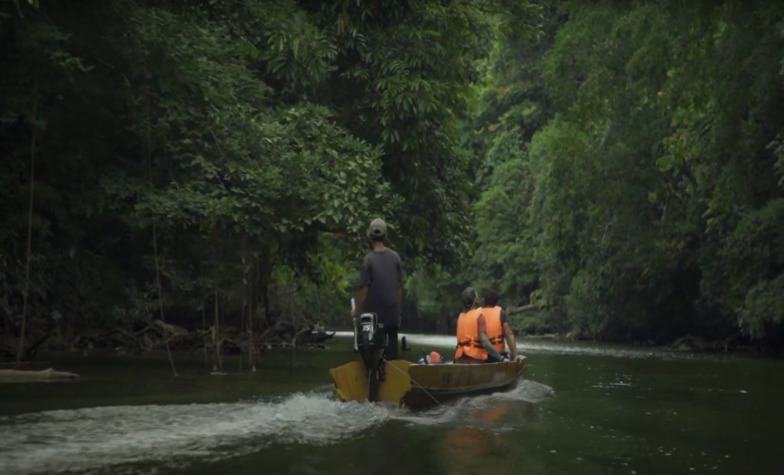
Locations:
{"points": [[418, 386]]}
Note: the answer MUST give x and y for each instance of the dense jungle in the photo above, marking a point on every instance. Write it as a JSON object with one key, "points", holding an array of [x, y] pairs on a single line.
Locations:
{"points": [[200, 175]]}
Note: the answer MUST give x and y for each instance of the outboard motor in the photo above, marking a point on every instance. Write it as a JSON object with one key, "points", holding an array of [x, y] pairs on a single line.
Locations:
{"points": [[370, 341]]}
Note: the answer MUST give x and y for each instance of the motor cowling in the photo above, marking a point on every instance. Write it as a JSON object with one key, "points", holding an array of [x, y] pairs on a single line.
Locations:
{"points": [[368, 334], [370, 341]]}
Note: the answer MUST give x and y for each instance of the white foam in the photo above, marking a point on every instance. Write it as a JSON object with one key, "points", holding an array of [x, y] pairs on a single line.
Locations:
{"points": [[92, 438], [115, 437]]}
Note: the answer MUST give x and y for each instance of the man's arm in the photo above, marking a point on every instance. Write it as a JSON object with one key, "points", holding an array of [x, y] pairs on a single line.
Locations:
{"points": [[508, 334], [481, 328], [510, 340], [363, 293], [492, 355]]}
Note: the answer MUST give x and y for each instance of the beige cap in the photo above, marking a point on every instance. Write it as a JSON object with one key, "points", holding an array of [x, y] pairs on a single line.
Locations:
{"points": [[378, 228]]}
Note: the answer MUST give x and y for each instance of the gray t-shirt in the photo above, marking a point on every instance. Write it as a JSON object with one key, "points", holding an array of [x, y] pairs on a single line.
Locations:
{"points": [[383, 272]]}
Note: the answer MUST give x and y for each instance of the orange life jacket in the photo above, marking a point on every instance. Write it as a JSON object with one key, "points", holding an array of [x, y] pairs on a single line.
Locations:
{"points": [[495, 331], [468, 342]]}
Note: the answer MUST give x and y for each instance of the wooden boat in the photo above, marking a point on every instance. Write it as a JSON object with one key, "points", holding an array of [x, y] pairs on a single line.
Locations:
{"points": [[419, 386]]}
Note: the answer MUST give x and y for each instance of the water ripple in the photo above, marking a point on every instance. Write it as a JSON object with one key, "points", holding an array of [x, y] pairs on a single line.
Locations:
{"points": [[121, 438]]}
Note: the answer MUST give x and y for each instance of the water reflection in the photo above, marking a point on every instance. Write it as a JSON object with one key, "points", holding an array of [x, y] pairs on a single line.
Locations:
{"points": [[470, 451], [482, 442]]}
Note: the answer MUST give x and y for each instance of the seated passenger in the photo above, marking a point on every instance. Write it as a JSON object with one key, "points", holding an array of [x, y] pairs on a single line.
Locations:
{"points": [[498, 325], [473, 345]]}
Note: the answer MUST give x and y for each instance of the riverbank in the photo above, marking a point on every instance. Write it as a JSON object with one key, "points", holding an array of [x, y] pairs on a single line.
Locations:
{"points": [[418, 343]]}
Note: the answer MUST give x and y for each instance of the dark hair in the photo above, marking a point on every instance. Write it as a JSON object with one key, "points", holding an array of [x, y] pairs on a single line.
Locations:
{"points": [[491, 298], [377, 238], [468, 296]]}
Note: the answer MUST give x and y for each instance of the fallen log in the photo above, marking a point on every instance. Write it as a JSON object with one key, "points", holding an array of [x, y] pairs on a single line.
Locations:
{"points": [[173, 329], [151, 328], [25, 376], [525, 308], [129, 337], [296, 337], [321, 336]]}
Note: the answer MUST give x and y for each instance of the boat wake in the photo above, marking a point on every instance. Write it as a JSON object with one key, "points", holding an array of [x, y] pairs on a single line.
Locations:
{"points": [[93, 438], [121, 438], [486, 411]]}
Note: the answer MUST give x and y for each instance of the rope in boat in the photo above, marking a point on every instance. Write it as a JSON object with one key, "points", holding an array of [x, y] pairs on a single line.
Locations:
{"points": [[413, 381]]}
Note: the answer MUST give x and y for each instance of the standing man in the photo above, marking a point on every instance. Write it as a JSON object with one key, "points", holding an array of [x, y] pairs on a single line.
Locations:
{"points": [[498, 325], [381, 286]]}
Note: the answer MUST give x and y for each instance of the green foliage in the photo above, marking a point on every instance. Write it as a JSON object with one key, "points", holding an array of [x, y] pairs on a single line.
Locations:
{"points": [[648, 206], [620, 164], [436, 292], [249, 142], [403, 81], [513, 107], [763, 309]]}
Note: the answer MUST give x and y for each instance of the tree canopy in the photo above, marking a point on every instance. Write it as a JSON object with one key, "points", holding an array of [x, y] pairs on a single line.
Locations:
{"points": [[649, 205], [621, 165]]}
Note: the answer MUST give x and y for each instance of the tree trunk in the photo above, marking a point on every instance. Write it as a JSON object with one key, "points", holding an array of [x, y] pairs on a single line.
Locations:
{"points": [[266, 271], [155, 234], [251, 349], [18, 376], [216, 341], [29, 228], [204, 333]]}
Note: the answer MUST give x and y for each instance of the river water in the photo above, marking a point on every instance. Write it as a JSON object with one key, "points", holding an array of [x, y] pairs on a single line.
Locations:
{"points": [[584, 409]]}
